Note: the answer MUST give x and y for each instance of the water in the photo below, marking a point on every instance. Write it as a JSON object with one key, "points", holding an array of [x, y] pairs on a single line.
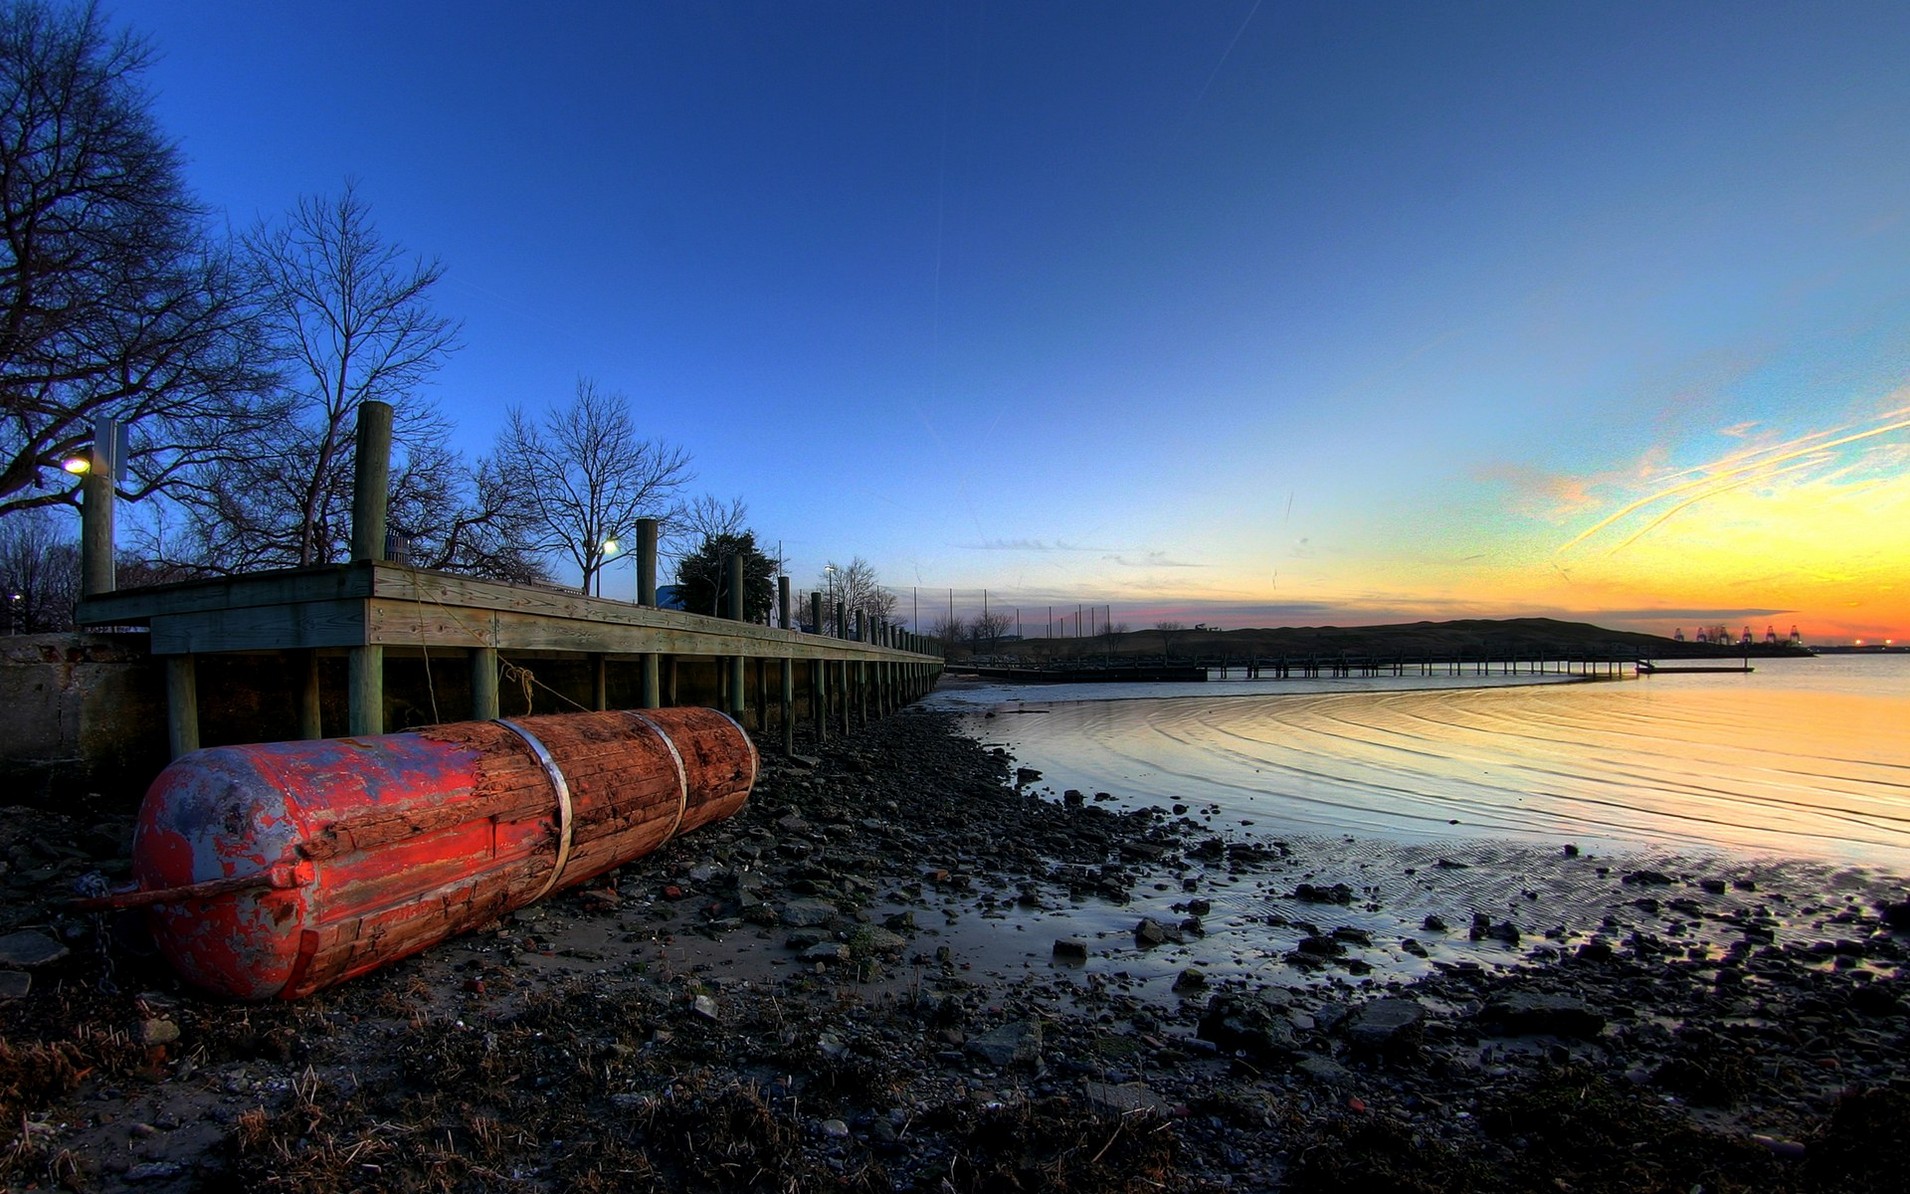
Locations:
{"points": [[1803, 758], [1454, 797]]}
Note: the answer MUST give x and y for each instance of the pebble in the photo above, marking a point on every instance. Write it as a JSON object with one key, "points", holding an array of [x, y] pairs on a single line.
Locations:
{"points": [[29, 950]]}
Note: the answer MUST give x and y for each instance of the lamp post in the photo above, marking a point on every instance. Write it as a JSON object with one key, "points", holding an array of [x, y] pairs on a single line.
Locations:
{"points": [[609, 549], [829, 570], [99, 467]]}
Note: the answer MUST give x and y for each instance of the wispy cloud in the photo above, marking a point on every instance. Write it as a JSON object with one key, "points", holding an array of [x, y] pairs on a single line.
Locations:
{"points": [[1816, 452], [1691, 613], [1546, 495], [1153, 559], [1027, 545]]}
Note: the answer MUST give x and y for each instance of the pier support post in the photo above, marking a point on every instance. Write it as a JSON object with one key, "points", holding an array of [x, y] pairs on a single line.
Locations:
{"points": [[371, 482], [367, 694], [96, 528], [647, 597], [733, 571], [370, 485], [182, 704], [311, 721], [788, 677], [484, 683]]}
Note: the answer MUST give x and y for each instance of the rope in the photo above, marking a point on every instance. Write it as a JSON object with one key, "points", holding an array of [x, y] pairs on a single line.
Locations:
{"points": [[525, 679], [430, 682], [521, 676], [512, 673]]}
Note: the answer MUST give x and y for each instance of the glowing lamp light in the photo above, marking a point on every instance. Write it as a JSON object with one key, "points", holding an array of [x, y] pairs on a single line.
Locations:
{"points": [[79, 464], [610, 547]]}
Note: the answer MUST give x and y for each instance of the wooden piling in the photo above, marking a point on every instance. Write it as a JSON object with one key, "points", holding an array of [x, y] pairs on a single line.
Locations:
{"points": [[311, 721], [647, 597], [96, 527], [370, 484], [366, 695], [484, 684], [371, 481], [733, 570], [818, 675], [788, 703], [182, 704]]}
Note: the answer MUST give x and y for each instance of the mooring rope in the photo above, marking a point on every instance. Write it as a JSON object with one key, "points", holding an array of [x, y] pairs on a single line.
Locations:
{"points": [[511, 673], [430, 681]]}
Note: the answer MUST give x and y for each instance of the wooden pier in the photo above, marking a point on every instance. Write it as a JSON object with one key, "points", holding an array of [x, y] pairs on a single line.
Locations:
{"points": [[1313, 667], [371, 611]]}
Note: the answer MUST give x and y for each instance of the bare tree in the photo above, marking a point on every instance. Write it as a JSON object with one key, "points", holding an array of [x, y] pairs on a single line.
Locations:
{"points": [[586, 476], [987, 630], [112, 300], [352, 318], [856, 586], [948, 630], [1168, 628], [708, 517], [39, 574], [349, 319], [458, 521]]}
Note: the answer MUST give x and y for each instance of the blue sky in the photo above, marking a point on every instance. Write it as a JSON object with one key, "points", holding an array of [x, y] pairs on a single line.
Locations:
{"points": [[1237, 312]]}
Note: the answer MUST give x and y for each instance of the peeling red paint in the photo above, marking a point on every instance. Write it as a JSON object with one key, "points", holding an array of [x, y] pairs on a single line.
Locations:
{"points": [[410, 838]]}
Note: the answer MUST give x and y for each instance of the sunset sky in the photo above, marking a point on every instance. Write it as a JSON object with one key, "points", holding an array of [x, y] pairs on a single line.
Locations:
{"points": [[1238, 312]]}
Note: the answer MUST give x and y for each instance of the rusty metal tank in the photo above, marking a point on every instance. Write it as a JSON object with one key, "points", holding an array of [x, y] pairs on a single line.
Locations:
{"points": [[277, 869]]}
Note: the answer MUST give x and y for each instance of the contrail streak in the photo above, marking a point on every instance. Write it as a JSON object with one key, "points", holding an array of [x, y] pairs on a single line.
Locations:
{"points": [[1227, 53], [1757, 462], [1692, 501]]}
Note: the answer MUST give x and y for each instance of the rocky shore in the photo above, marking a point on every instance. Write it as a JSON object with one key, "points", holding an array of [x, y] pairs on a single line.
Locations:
{"points": [[806, 997]]}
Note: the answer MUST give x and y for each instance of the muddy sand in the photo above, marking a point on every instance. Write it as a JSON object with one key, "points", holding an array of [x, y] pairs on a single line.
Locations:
{"points": [[897, 969]]}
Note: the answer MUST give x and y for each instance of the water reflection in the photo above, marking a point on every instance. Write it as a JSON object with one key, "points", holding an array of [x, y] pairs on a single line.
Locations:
{"points": [[1806, 758]]}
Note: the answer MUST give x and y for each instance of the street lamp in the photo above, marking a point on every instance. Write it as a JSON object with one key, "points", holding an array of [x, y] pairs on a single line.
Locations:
{"points": [[609, 549], [829, 570]]}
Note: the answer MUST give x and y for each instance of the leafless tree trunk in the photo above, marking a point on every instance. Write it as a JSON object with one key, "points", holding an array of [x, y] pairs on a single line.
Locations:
{"points": [[857, 587], [350, 320], [586, 477], [353, 318]]}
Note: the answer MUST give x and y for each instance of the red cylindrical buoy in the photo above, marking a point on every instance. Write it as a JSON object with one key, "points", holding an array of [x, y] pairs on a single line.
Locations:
{"points": [[281, 868]]}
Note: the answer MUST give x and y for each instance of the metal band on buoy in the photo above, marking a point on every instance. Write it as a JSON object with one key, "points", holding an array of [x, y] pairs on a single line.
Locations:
{"points": [[682, 774], [755, 756], [563, 800]]}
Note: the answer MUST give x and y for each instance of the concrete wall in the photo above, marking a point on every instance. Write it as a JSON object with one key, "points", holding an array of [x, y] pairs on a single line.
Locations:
{"points": [[79, 713]]}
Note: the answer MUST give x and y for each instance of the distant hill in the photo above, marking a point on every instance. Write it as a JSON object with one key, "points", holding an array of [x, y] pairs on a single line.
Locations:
{"points": [[1469, 638]]}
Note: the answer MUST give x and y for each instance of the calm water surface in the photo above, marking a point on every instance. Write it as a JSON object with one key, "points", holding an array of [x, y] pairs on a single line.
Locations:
{"points": [[1804, 758]]}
